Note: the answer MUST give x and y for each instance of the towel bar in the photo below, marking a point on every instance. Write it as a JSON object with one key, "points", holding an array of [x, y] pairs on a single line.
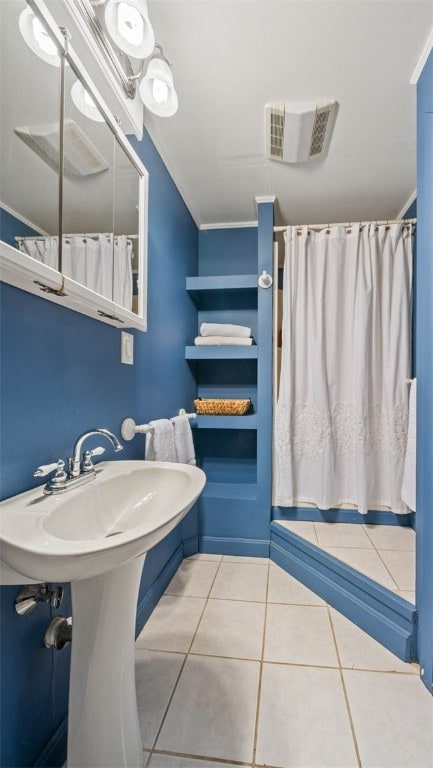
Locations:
{"points": [[129, 428]]}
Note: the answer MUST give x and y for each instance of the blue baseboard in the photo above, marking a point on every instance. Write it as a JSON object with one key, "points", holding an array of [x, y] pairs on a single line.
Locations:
{"points": [[190, 546], [150, 599], [54, 753], [224, 546], [385, 616], [312, 514]]}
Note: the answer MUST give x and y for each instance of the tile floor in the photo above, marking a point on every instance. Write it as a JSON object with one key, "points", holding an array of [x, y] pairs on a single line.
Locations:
{"points": [[385, 553], [240, 664]]}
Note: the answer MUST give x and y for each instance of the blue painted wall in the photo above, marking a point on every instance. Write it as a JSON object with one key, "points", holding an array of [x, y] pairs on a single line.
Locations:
{"points": [[424, 371], [8, 228], [60, 375]]}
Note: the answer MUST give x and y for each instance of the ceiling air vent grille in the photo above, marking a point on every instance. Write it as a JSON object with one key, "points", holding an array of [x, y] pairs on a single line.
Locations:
{"points": [[296, 131], [81, 158], [277, 131], [319, 130]]}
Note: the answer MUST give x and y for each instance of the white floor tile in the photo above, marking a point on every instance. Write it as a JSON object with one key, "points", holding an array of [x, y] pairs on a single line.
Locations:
{"points": [[357, 650], [284, 588], [366, 561], [213, 709], [193, 578], [241, 581], [231, 628], [342, 535], [401, 566], [172, 624], [299, 634], [303, 719], [204, 556], [391, 536], [302, 528], [173, 761], [155, 675], [393, 717]]}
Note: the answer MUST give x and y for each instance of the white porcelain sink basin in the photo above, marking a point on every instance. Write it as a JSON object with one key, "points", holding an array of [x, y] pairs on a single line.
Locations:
{"points": [[127, 509], [97, 536]]}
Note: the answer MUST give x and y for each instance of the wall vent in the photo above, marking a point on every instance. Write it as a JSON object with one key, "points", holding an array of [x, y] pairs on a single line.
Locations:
{"points": [[81, 158], [298, 131]]}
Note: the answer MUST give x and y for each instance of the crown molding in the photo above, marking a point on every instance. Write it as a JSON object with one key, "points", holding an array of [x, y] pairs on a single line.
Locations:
{"points": [[425, 53]]}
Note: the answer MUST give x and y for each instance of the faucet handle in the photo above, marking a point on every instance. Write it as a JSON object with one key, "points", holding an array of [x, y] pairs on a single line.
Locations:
{"points": [[45, 469], [87, 458], [97, 451]]}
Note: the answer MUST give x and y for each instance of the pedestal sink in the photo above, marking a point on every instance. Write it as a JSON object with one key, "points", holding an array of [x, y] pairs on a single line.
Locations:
{"points": [[97, 536]]}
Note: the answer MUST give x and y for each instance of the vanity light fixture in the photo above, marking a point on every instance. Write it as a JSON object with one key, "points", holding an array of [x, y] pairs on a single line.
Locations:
{"points": [[128, 24], [84, 102], [37, 37], [156, 88]]}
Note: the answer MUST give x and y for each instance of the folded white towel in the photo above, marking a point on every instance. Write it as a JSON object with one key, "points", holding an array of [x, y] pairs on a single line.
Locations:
{"points": [[160, 441], [408, 488], [224, 329], [183, 441], [203, 341]]}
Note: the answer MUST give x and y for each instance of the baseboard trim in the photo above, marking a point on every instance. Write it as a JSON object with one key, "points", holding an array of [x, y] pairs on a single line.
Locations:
{"points": [[225, 546], [312, 514], [385, 616], [190, 546]]}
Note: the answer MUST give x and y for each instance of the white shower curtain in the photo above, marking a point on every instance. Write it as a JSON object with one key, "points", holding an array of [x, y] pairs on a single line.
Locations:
{"points": [[341, 417], [95, 262]]}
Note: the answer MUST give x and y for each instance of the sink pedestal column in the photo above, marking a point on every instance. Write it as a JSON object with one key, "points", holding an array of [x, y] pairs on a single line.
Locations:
{"points": [[103, 728]]}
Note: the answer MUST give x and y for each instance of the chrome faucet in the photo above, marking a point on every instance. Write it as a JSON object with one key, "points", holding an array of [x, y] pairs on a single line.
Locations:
{"points": [[75, 468], [79, 471]]}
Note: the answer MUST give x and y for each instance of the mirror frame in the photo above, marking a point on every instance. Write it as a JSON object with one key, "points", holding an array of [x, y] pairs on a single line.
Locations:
{"points": [[20, 270]]}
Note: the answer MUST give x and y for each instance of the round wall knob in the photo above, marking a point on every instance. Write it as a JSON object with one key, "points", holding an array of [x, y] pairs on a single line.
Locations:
{"points": [[265, 280]]}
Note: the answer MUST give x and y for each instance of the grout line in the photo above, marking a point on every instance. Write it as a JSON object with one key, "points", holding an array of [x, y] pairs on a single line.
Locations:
{"points": [[259, 687], [316, 535], [386, 567], [187, 755], [346, 698], [183, 664]]}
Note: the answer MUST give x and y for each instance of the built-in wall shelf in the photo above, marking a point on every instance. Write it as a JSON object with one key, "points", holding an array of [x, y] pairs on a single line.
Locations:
{"points": [[249, 421], [223, 352], [223, 291], [226, 446]]}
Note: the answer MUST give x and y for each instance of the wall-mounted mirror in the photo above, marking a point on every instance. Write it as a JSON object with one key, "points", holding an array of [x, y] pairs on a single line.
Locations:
{"points": [[74, 194]]}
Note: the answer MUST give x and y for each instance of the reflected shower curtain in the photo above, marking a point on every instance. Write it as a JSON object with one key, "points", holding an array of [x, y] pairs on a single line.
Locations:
{"points": [[95, 262], [341, 418]]}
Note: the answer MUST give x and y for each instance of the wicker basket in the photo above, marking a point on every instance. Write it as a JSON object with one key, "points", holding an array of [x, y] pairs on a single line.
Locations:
{"points": [[222, 406]]}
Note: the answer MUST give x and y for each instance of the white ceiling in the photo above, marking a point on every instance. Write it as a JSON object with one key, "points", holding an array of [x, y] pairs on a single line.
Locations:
{"points": [[231, 57]]}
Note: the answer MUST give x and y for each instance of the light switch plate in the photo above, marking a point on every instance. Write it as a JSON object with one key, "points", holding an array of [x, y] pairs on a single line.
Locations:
{"points": [[126, 348]]}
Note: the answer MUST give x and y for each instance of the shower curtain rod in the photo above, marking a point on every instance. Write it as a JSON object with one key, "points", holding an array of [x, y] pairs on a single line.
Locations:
{"points": [[75, 234], [346, 224]]}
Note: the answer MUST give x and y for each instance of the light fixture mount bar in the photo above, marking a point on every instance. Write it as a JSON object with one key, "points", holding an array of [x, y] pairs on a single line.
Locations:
{"points": [[88, 14]]}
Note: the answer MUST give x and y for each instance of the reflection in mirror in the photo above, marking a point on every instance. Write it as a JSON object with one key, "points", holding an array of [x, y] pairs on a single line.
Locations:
{"points": [[30, 118], [88, 188], [126, 266]]}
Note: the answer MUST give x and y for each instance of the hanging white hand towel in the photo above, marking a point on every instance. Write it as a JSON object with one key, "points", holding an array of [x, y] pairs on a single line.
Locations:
{"points": [[160, 441], [183, 440], [408, 488]]}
